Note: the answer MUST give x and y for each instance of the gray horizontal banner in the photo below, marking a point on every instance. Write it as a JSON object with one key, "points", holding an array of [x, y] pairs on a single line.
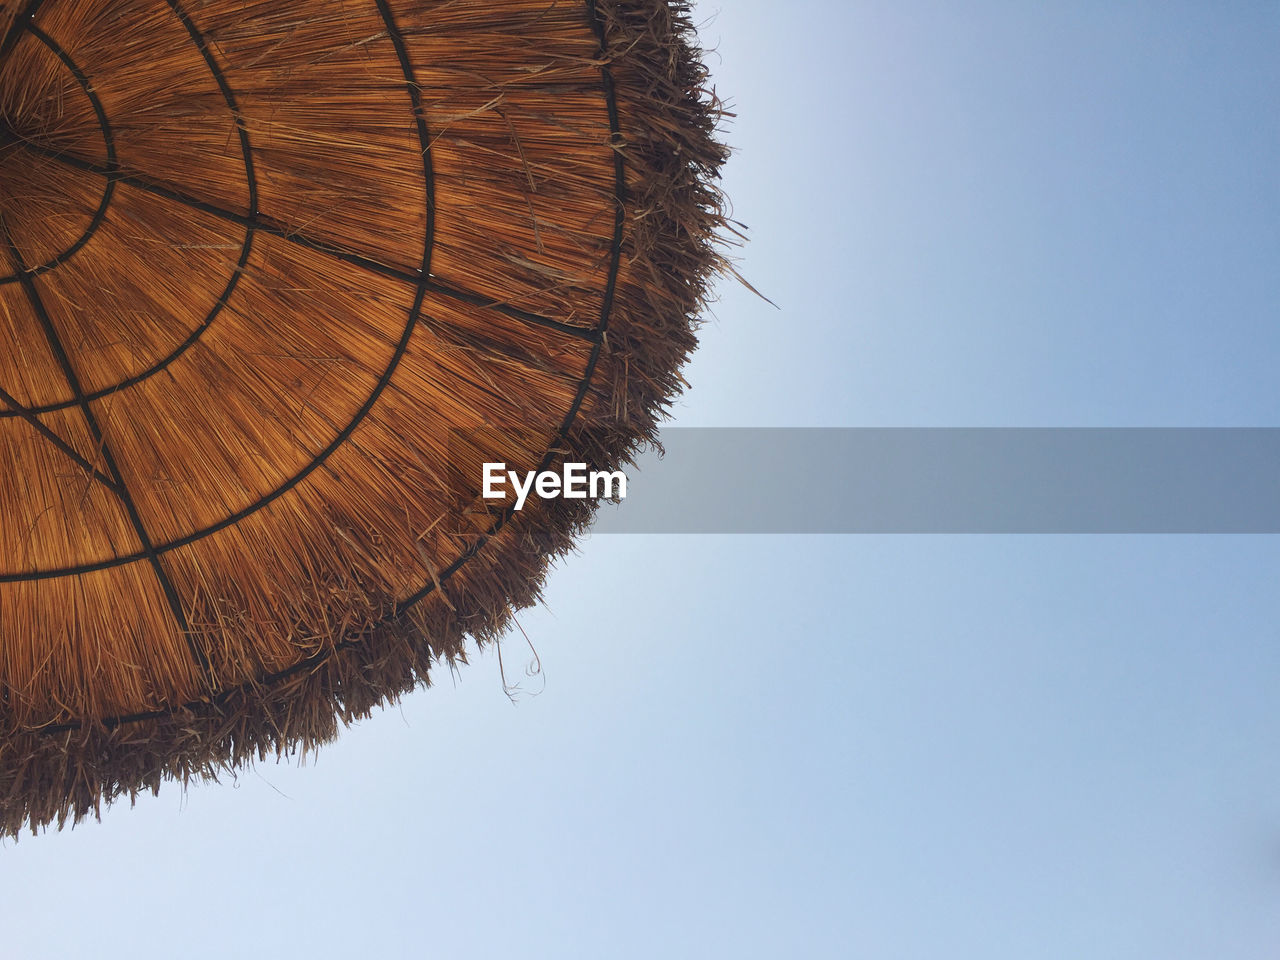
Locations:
{"points": [[963, 480]]}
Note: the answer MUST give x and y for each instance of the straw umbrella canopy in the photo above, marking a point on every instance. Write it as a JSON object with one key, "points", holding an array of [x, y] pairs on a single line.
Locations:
{"points": [[276, 278]]}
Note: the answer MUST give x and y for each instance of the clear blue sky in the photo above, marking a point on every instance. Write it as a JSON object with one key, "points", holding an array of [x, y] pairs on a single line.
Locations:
{"points": [[897, 748]]}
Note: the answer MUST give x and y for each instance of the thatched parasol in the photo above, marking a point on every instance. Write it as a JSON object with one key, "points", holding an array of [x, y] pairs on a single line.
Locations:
{"points": [[276, 276]]}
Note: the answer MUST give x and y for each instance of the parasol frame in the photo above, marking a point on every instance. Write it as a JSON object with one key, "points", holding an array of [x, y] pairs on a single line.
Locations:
{"points": [[231, 724]]}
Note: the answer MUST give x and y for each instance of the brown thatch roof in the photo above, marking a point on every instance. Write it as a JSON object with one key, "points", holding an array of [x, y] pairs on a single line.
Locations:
{"points": [[276, 276]]}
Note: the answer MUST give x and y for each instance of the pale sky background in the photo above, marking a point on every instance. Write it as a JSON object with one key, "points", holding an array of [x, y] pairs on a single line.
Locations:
{"points": [[893, 748]]}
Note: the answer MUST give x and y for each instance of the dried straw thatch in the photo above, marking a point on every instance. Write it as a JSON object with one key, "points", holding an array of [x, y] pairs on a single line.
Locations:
{"points": [[275, 277]]}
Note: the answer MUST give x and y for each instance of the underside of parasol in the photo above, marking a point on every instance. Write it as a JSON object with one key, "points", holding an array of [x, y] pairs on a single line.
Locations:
{"points": [[276, 279]]}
